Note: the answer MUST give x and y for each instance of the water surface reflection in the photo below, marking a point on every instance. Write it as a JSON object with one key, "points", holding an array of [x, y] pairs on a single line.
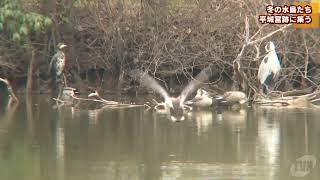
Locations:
{"points": [[38, 141]]}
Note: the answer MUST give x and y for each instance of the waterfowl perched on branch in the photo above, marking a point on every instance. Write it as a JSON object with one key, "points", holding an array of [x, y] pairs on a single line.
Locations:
{"points": [[269, 68], [232, 97], [202, 99], [174, 106], [97, 96], [68, 93]]}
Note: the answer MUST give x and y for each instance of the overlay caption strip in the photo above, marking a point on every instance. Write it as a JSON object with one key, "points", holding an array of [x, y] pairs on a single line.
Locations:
{"points": [[301, 15]]}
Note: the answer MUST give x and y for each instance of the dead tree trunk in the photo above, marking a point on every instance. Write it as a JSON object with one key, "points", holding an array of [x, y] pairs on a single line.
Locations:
{"points": [[30, 72]]}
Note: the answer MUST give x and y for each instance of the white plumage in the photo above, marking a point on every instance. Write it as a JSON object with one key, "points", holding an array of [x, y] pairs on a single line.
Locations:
{"points": [[269, 66]]}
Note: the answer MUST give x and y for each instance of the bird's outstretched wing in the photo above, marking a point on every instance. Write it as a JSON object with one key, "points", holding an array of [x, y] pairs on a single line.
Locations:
{"points": [[149, 82], [196, 83]]}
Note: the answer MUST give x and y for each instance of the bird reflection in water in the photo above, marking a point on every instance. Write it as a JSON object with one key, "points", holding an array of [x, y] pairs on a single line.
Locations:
{"points": [[269, 140], [93, 116], [203, 120], [236, 119]]}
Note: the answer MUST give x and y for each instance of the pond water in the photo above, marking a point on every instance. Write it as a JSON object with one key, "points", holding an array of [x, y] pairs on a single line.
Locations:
{"points": [[41, 142]]}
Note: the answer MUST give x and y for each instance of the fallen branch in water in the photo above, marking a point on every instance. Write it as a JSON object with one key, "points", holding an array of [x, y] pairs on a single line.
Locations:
{"points": [[58, 100], [148, 107], [9, 87], [106, 103], [304, 100]]}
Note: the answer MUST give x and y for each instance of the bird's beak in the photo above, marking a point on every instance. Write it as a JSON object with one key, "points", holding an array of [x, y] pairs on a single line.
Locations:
{"points": [[267, 48], [63, 46]]}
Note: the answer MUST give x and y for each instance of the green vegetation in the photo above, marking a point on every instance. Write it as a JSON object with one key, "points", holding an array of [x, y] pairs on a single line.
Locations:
{"points": [[18, 24]]}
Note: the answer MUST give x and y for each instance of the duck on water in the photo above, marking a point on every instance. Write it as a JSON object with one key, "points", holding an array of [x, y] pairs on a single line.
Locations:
{"points": [[204, 99]]}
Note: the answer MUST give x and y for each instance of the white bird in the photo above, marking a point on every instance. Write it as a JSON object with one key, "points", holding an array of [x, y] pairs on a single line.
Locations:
{"points": [[269, 68], [175, 106], [94, 94]]}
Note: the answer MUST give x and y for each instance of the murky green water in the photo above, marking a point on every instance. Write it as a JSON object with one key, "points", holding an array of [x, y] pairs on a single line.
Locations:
{"points": [[38, 141]]}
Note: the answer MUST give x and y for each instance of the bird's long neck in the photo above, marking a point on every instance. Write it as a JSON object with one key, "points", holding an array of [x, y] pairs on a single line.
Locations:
{"points": [[61, 52], [178, 102]]}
